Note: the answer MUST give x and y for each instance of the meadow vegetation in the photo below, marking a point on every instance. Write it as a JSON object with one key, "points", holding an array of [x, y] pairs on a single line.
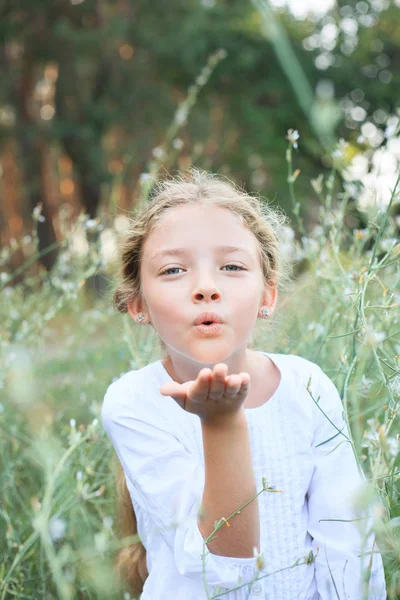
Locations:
{"points": [[61, 348]]}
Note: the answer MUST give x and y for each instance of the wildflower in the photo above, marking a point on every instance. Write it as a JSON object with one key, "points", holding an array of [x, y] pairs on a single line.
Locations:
{"points": [[201, 80], [317, 327], [92, 225], [360, 234], [108, 522], [339, 154], [288, 233], [144, 178], [100, 541], [293, 136], [37, 213], [317, 183], [72, 423], [79, 476], [388, 244], [57, 528], [177, 144], [376, 337], [158, 153], [181, 115], [292, 178]]}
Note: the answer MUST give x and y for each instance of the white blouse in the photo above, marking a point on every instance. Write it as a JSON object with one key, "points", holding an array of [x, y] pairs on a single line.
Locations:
{"points": [[294, 446]]}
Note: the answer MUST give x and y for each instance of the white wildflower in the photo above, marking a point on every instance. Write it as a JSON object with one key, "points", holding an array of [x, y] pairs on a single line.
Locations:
{"points": [[388, 244], [201, 80], [317, 231], [393, 446], [317, 327], [145, 178], [72, 422], [158, 153], [57, 528], [108, 522], [37, 213], [288, 233], [177, 144], [376, 337], [100, 541], [91, 224], [317, 183], [293, 135], [79, 476], [181, 115]]}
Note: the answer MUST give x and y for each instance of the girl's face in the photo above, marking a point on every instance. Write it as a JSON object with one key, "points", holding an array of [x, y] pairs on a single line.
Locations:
{"points": [[186, 271]]}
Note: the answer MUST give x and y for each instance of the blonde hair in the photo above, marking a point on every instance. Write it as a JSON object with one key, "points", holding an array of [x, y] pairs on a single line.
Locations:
{"points": [[265, 222]]}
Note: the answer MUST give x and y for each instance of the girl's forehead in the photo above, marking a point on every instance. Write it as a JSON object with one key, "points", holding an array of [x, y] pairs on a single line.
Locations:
{"points": [[190, 215], [199, 227]]}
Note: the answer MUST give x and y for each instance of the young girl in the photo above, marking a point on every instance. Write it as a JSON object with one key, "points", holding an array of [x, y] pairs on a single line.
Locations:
{"points": [[215, 426]]}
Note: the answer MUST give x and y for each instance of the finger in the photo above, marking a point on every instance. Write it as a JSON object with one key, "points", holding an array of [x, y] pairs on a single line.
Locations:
{"points": [[217, 388], [170, 388], [233, 385], [199, 390], [176, 391], [245, 384]]}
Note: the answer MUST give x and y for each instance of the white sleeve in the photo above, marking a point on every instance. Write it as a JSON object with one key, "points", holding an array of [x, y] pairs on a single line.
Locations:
{"points": [[335, 482], [167, 482]]}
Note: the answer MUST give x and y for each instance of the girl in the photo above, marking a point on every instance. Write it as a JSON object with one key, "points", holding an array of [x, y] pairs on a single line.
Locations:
{"points": [[215, 426]]}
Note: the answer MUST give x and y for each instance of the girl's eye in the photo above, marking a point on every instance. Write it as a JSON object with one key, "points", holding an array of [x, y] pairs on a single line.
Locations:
{"points": [[237, 266], [177, 268], [170, 269]]}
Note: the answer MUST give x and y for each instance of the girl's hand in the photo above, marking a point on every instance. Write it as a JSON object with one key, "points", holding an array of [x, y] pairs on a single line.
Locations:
{"points": [[214, 396]]}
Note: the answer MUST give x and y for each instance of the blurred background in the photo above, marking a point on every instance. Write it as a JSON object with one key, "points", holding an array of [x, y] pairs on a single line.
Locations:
{"points": [[91, 89], [296, 100]]}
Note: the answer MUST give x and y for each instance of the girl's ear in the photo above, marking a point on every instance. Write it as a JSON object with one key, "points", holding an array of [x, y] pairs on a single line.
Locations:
{"points": [[270, 296], [134, 307]]}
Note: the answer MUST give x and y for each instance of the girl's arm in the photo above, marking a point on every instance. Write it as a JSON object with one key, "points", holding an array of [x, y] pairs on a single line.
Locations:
{"points": [[166, 481], [229, 483], [340, 528]]}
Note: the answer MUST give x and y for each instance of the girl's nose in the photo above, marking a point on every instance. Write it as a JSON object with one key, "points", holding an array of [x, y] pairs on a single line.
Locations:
{"points": [[206, 292]]}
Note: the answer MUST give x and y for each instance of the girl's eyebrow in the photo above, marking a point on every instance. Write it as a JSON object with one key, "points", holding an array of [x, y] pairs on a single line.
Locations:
{"points": [[183, 251]]}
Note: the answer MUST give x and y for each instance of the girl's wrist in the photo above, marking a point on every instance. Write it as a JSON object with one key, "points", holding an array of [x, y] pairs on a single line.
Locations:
{"points": [[226, 421]]}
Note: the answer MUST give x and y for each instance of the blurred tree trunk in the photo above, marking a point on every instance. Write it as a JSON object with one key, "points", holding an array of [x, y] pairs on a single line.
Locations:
{"points": [[31, 148]]}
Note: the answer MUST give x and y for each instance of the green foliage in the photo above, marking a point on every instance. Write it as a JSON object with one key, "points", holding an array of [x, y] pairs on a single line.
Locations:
{"points": [[60, 352]]}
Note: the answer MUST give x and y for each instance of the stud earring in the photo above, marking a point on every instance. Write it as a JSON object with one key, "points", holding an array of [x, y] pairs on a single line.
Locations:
{"points": [[265, 311], [140, 318]]}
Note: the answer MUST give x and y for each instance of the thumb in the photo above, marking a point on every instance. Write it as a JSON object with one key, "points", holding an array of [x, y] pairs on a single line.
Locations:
{"points": [[173, 389], [176, 391]]}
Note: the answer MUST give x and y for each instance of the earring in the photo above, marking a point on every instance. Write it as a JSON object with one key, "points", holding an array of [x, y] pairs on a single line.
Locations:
{"points": [[140, 318], [265, 311]]}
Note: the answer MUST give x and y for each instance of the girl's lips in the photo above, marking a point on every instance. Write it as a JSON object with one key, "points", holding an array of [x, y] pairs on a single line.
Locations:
{"points": [[212, 329]]}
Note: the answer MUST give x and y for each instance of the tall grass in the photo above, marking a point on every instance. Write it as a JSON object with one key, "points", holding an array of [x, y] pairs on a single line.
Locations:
{"points": [[60, 351]]}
